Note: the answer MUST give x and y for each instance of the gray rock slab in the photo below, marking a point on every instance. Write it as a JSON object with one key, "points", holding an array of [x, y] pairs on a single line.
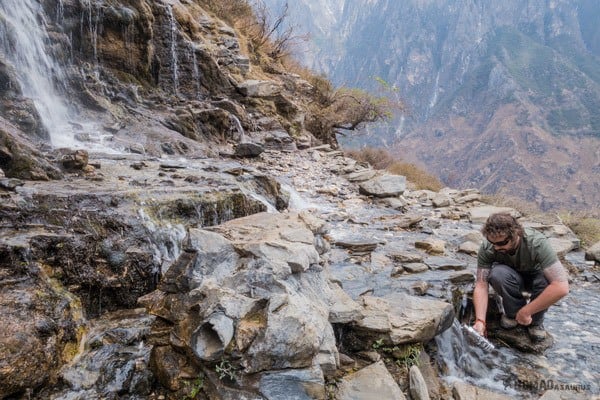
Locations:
{"points": [[478, 215], [361, 176], [384, 186], [417, 384], [415, 267], [293, 384], [445, 263], [371, 383]]}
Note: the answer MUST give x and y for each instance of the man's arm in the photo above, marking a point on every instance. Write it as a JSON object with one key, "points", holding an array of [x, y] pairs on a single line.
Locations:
{"points": [[480, 299], [557, 288]]}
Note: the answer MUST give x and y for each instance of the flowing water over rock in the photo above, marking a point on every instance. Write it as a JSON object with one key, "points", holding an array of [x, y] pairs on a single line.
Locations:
{"points": [[25, 43]]}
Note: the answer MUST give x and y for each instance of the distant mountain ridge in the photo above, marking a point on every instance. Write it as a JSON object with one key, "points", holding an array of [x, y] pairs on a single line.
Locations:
{"points": [[501, 96]]}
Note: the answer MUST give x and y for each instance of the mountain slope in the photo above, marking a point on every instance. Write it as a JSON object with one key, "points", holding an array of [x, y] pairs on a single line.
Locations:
{"points": [[512, 86]]}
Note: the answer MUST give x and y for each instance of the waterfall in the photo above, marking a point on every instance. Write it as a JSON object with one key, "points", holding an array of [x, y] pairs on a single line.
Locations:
{"points": [[92, 25], [23, 41], [436, 90], [60, 12], [196, 71], [174, 64]]}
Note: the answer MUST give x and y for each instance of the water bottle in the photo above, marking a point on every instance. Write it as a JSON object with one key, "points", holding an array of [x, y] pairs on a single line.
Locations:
{"points": [[479, 340]]}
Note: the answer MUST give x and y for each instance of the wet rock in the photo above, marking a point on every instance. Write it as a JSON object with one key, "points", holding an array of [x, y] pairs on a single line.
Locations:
{"points": [[115, 360], [406, 256], [519, 339], [372, 382], [248, 149], [445, 263], [415, 267], [461, 277], [358, 246], [384, 186], [19, 158], [293, 384], [168, 366], [430, 375], [39, 321], [10, 183], [76, 160]]}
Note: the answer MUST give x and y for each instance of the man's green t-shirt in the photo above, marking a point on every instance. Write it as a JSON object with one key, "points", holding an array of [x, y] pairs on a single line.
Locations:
{"points": [[534, 254]]}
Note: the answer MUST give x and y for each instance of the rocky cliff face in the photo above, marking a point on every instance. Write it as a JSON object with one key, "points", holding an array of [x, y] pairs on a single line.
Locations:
{"points": [[507, 93], [117, 74]]}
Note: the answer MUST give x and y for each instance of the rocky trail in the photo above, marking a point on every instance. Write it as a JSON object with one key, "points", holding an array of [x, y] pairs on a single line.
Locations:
{"points": [[297, 274]]}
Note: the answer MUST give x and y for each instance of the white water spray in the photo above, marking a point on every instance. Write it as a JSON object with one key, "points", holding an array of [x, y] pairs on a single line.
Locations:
{"points": [[464, 361], [174, 61], [23, 38], [23, 45]]}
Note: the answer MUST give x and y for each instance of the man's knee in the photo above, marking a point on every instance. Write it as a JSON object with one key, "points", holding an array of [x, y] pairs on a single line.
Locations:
{"points": [[504, 275]]}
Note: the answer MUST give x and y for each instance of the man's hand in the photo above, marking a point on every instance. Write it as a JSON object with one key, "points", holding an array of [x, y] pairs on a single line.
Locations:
{"points": [[479, 326], [523, 317]]}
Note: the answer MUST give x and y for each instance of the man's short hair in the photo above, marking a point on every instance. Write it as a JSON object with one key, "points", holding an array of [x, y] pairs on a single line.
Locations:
{"points": [[502, 224]]}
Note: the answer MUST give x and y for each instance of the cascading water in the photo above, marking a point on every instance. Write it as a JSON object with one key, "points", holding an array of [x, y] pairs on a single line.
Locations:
{"points": [[464, 361], [23, 38], [174, 59], [92, 26], [24, 42], [195, 70]]}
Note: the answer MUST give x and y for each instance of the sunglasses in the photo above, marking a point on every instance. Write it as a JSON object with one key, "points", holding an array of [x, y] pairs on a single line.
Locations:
{"points": [[501, 243]]}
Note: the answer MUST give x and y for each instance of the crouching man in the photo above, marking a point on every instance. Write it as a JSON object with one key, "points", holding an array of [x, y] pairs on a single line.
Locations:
{"points": [[519, 263]]}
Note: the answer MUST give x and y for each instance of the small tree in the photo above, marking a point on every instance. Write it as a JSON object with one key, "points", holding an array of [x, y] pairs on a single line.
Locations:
{"points": [[345, 109]]}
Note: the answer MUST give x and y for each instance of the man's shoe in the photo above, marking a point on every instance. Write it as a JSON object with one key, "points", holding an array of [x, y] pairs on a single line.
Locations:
{"points": [[537, 333], [507, 323]]}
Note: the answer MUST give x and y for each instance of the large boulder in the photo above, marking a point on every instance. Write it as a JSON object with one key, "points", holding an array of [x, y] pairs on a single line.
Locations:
{"points": [[19, 157], [384, 186], [400, 318]]}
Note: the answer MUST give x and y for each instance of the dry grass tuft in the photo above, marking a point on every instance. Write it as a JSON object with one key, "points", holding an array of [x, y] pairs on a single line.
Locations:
{"points": [[526, 208], [586, 225], [382, 159], [377, 158], [420, 178]]}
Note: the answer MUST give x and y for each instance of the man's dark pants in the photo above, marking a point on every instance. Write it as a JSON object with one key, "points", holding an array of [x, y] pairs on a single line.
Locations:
{"points": [[510, 285]]}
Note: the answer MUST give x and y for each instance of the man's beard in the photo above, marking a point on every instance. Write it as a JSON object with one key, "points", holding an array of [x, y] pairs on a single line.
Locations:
{"points": [[510, 252]]}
